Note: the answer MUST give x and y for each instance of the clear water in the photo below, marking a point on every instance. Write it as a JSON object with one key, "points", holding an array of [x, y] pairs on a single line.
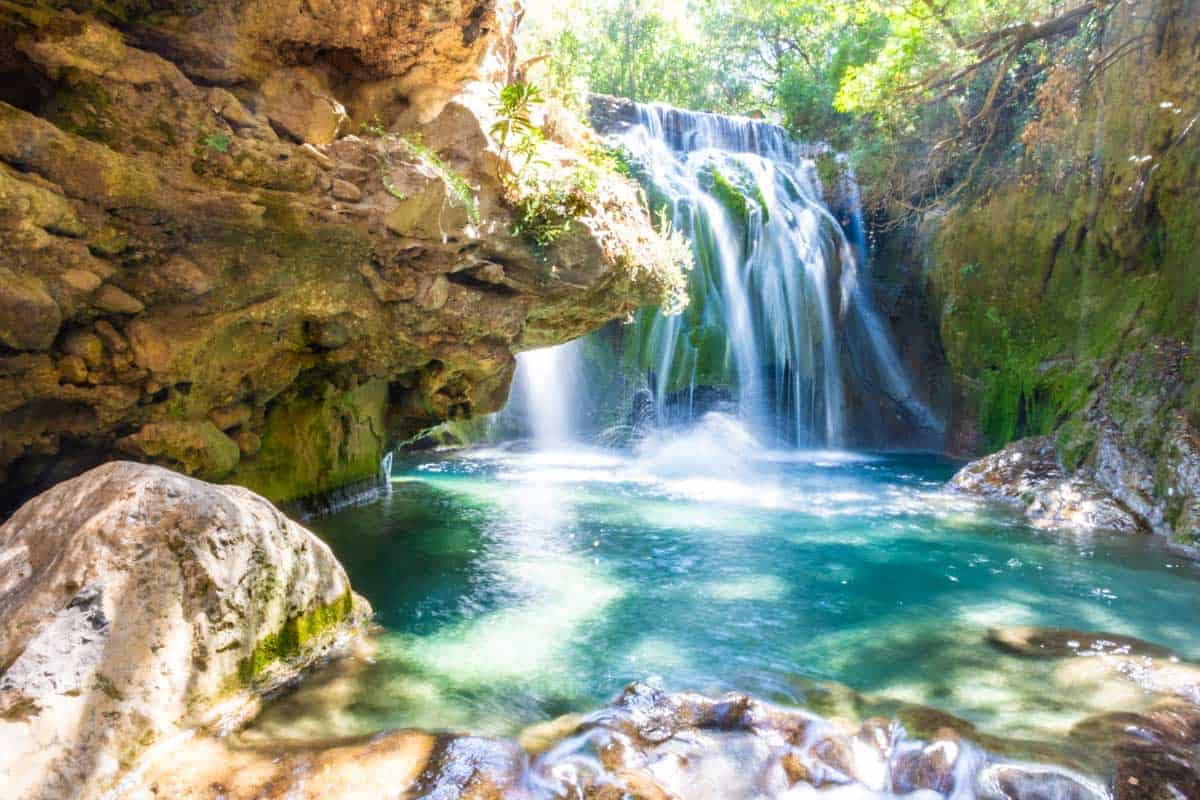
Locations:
{"points": [[514, 586]]}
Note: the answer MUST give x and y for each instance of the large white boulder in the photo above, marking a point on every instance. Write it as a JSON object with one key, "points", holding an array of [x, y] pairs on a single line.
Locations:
{"points": [[136, 603]]}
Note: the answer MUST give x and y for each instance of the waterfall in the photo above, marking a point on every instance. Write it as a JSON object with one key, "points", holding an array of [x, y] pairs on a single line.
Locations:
{"points": [[385, 471], [781, 321], [544, 400]]}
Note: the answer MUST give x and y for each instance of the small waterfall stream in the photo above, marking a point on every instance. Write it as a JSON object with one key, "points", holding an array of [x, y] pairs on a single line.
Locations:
{"points": [[547, 381]]}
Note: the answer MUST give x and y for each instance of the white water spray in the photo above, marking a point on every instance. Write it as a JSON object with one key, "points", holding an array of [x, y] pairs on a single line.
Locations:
{"points": [[546, 384]]}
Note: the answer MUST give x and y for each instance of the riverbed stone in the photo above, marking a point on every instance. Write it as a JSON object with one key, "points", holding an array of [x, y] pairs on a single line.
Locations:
{"points": [[1034, 642], [137, 604], [1028, 782]]}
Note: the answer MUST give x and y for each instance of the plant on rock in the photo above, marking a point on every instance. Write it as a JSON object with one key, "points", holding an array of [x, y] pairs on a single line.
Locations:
{"points": [[411, 146]]}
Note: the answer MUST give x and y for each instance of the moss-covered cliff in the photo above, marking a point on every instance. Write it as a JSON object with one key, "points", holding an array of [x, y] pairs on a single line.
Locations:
{"points": [[260, 242], [1069, 294]]}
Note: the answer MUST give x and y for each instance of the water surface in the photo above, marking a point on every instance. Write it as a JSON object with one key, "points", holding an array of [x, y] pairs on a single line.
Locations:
{"points": [[514, 586]]}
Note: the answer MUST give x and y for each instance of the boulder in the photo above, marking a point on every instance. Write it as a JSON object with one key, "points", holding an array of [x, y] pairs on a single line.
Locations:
{"points": [[1027, 473], [136, 603]]}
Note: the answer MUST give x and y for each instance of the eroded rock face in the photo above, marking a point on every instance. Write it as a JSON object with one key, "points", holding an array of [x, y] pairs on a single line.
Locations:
{"points": [[194, 219], [135, 603], [1067, 295]]}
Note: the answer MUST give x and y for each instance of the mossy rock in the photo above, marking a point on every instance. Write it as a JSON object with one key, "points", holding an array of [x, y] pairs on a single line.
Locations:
{"points": [[294, 638], [318, 441]]}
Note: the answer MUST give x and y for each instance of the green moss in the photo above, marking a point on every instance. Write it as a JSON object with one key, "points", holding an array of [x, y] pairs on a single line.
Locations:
{"points": [[290, 640], [317, 439], [81, 106], [730, 196], [1042, 303], [217, 141]]}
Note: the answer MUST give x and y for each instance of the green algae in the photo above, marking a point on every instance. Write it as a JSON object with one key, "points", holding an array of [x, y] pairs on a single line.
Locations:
{"points": [[292, 639], [317, 442]]}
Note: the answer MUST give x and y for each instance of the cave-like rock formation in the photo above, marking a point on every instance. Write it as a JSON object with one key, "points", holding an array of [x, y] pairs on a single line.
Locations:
{"points": [[212, 257]]}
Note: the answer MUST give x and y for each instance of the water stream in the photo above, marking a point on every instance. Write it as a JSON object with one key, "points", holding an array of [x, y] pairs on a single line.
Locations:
{"points": [[781, 313]]}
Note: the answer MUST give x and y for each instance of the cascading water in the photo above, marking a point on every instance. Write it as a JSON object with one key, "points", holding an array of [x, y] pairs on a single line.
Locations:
{"points": [[543, 405], [780, 317]]}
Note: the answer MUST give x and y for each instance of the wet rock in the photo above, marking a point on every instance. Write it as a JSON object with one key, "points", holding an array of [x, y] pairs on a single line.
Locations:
{"points": [[1026, 782], [539, 738], [653, 743], [136, 603], [1027, 473], [1063, 642], [931, 767], [1154, 752]]}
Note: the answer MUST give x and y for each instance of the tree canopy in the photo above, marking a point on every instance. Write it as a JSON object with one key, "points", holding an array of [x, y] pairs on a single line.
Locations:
{"points": [[938, 81]]}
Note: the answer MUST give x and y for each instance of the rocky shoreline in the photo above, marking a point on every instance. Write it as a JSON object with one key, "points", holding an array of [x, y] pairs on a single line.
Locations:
{"points": [[1117, 489]]}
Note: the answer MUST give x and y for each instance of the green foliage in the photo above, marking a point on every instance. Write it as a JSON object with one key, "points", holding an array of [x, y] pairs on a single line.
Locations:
{"points": [[915, 90], [412, 146], [455, 182], [218, 142], [548, 203], [514, 106], [646, 50]]}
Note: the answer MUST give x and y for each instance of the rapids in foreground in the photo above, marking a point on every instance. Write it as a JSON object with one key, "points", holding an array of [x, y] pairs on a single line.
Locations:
{"points": [[515, 587]]}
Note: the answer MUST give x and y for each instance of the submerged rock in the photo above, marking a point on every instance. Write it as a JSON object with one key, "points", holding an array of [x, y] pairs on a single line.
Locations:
{"points": [[136, 603], [1156, 754], [1062, 642]]}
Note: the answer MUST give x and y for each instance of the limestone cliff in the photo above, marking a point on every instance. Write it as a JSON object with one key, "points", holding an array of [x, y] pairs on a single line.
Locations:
{"points": [[259, 242], [1068, 293]]}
